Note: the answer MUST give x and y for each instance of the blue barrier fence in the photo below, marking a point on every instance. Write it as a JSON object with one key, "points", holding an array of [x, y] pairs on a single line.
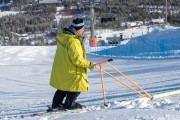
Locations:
{"points": [[144, 47]]}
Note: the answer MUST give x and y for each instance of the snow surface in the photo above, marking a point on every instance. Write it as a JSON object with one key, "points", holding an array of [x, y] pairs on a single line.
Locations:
{"points": [[24, 89], [5, 13]]}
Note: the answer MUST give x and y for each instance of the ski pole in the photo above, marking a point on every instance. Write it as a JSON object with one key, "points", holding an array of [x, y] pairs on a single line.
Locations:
{"points": [[149, 96]]}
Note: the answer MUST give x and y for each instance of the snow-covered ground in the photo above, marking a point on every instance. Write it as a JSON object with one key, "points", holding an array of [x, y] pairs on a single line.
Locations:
{"points": [[5, 13], [24, 88]]}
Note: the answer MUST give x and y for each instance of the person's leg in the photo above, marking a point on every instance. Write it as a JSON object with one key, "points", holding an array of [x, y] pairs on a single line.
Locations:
{"points": [[70, 100], [58, 98]]}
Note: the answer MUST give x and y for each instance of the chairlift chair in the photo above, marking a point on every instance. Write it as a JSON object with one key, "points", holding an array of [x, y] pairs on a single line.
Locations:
{"points": [[108, 17]]}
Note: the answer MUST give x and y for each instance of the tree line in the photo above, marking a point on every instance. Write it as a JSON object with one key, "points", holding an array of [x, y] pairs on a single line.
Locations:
{"points": [[35, 19], [40, 18], [130, 10]]}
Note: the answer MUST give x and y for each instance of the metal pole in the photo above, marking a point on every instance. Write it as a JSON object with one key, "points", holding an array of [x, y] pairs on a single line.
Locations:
{"points": [[166, 13], [92, 4], [92, 18]]}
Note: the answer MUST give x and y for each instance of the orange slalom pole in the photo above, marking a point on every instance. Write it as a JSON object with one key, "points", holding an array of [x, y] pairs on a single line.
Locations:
{"points": [[122, 82], [102, 81], [150, 96]]}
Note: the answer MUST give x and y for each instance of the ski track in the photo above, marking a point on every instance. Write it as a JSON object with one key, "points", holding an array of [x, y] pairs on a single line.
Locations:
{"points": [[25, 89]]}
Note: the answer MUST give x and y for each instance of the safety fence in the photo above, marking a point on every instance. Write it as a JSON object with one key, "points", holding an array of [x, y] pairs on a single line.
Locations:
{"points": [[141, 48]]}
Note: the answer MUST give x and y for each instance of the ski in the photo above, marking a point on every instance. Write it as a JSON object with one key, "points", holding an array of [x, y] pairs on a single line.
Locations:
{"points": [[49, 111], [63, 111]]}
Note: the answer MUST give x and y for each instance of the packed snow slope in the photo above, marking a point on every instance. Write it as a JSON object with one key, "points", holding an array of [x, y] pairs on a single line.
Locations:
{"points": [[161, 43], [24, 89]]}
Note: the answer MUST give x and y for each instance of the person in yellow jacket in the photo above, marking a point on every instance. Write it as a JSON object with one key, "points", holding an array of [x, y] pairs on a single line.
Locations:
{"points": [[69, 71]]}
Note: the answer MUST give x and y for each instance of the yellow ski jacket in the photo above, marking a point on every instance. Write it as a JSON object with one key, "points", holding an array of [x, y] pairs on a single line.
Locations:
{"points": [[69, 71]]}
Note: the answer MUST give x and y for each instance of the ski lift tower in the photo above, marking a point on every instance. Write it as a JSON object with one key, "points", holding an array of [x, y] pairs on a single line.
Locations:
{"points": [[166, 4], [92, 3]]}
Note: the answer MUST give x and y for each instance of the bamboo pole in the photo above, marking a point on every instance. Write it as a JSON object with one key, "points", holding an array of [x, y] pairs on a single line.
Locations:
{"points": [[122, 82], [150, 96], [102, 81]]}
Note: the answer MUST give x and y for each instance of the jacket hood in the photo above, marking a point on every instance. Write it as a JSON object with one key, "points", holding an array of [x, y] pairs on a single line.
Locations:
{"points": [[69, 30], [66, 34]]}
